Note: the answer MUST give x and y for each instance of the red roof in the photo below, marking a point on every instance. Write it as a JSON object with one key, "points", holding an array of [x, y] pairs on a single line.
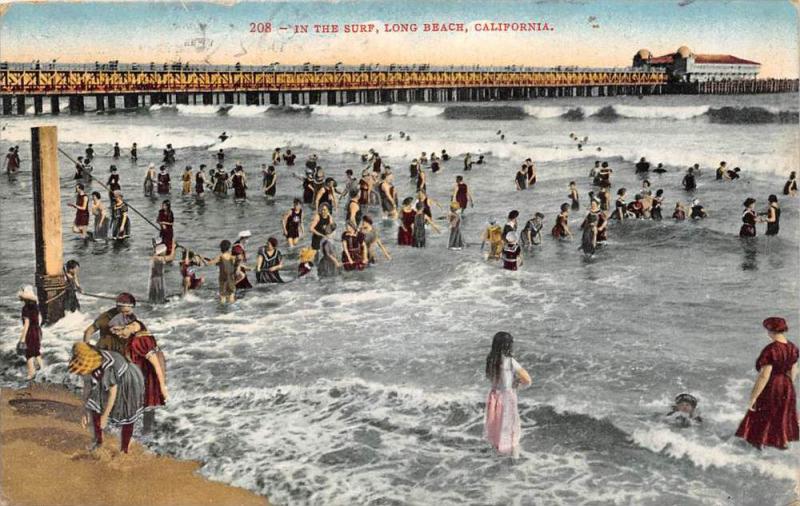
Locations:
{"points": [[722, 58], [704, 58], [662, 60]]}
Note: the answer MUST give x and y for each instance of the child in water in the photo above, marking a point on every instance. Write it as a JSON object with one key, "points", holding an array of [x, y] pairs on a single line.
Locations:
{"points": [[684, 412], [512, 253], [680, 212], [227, 272], [306, 264], [493, 234], [190, 279], [502, 427]]}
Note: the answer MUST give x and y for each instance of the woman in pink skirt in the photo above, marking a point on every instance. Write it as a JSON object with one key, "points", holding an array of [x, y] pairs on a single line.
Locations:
{"points": [[501, 423]]}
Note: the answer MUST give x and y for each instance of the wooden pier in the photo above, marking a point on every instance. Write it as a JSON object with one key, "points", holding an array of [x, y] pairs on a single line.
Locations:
{"points": [[108, 87]]}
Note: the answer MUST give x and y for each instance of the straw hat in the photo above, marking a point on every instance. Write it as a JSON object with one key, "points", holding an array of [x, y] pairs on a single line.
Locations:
{"points": [[307, 255], [454, 205], [26, 293], [244, 234], [85, 359]]}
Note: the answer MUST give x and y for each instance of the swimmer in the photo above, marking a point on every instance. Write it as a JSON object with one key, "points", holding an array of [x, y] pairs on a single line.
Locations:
{"points": [[698, 212], [684, 411], [660, 169], [511, 224], [733, 174], [223, 136], [620, 206], [642, 166], [790, 188], [595, 170], [680, 212], [721, 170], [658, 201], [689, 183]]}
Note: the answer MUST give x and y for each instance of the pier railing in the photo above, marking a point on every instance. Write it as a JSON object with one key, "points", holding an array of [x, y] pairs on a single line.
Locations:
{"points": [[86, 79]]}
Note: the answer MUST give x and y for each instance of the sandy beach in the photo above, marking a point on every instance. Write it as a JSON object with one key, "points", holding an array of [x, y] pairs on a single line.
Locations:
{"points": [[42, 440]]}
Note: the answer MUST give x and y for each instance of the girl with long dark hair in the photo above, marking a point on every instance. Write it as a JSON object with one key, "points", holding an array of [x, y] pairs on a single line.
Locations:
{"points": [[501, 423]]}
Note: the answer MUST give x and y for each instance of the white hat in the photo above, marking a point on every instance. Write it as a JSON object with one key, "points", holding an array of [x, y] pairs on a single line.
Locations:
{"points": [[511, 237], [244, 234], [26, 292], [695, 202], [160, 249]]}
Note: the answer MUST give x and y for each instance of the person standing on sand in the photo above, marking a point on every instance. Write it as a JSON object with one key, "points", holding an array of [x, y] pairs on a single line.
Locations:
{"points": [[771, 418], [502, 427], [30, 338], [114, 393]]}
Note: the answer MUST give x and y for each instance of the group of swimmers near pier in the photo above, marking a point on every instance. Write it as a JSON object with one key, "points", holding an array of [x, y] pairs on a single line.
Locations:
{"points": [[125, 369], [373, 192]]}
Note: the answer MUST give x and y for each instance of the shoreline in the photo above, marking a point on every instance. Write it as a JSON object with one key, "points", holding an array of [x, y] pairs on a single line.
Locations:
{"points": [[41, 436]]}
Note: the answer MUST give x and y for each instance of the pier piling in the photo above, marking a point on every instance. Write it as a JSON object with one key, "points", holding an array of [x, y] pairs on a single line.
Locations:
{"points": [[47, 223]]}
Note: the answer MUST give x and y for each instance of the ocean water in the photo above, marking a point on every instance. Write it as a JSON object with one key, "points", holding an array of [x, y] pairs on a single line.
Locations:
{"points": [[369, 389]]}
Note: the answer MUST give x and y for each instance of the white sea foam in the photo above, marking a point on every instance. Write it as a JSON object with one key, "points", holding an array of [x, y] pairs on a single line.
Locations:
{"points": [[654, 112], [721, 455]]}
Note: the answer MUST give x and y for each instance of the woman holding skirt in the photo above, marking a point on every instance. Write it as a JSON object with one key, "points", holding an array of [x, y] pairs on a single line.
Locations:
{"points": [[501, 423], [771, 418]]}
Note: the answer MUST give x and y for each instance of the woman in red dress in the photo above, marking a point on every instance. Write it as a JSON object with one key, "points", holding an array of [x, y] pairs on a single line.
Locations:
{"points": [[405, 232], [31, 335], [143, 351], [561, 228], [81, 206], [771, 419]]}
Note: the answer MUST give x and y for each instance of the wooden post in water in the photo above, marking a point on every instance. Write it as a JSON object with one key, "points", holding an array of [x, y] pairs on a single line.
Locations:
{"points": [[47, 223]]}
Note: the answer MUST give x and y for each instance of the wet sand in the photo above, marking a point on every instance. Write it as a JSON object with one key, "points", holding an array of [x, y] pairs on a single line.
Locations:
{"points": [[45, 461]]}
